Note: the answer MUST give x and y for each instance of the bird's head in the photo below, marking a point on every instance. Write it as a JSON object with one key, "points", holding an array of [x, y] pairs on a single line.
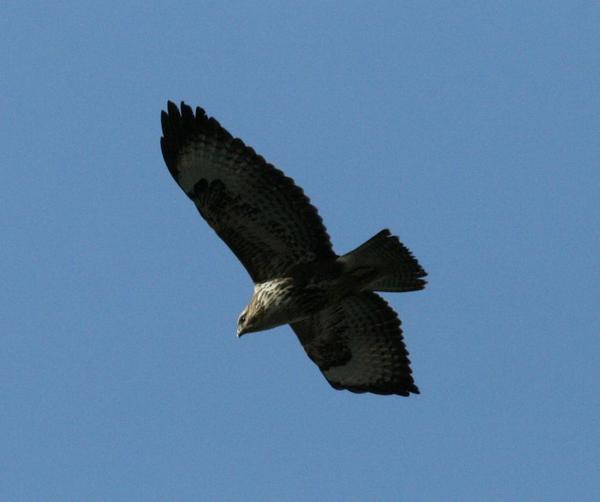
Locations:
{"points": [[257, 317], [250, 320], [266, 310], [244, 322]]}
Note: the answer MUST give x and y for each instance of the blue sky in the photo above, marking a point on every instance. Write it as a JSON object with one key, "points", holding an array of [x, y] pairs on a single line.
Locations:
{"points": [[470, 129]]}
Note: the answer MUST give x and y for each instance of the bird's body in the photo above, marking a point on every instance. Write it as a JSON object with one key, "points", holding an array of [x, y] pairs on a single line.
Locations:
{"points": [[346, 329], [305, 291], [311, 288]]}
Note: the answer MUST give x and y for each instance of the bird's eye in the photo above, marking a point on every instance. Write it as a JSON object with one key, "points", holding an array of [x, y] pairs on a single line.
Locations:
{"points": [[242, 319]]}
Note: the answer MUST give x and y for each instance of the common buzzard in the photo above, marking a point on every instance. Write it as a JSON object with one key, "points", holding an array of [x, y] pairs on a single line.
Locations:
{"points": [[348, 331]]}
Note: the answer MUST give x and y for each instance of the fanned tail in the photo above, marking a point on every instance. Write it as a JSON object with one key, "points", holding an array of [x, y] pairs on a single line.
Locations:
{"points": [[397, 269]]}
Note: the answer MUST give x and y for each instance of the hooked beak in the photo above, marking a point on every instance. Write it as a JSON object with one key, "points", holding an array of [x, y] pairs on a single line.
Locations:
{"points": [[240, 332]]}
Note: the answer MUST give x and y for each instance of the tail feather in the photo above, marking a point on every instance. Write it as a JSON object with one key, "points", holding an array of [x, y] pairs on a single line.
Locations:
{"points": [[398, 270]]}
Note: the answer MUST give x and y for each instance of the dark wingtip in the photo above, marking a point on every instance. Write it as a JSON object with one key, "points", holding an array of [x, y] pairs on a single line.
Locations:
{"points": [[404, 388], [170, 142], [180, 124], [172, 108]]}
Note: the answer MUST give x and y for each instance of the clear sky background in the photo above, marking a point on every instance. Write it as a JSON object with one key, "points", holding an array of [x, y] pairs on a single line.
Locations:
{"points": [[471, 129]]}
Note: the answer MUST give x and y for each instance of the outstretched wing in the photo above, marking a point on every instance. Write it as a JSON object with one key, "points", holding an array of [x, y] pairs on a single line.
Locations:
{"points": [[264, 218], [358, 346]]}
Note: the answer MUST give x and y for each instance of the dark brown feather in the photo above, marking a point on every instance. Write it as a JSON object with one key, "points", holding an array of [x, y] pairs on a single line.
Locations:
{"points": [[358, 346], [264, 218]]}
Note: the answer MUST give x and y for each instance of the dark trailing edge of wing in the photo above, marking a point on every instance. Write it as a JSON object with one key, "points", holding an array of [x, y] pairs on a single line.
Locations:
{"points": [[405, 388]]}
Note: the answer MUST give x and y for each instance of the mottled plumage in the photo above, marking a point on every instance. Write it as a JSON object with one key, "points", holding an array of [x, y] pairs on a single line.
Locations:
{"points": [[350, 332]]}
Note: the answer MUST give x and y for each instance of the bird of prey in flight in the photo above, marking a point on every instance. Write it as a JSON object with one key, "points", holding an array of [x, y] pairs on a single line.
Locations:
{"points": [[329, 300]]}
